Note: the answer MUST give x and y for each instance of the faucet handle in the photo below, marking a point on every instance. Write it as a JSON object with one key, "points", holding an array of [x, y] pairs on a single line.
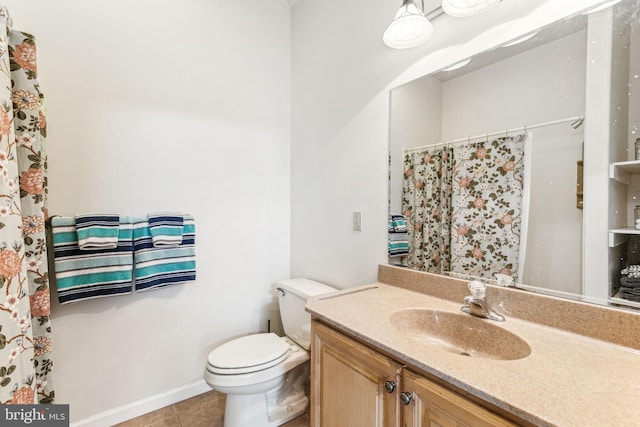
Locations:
{"points": [[477, 288]]}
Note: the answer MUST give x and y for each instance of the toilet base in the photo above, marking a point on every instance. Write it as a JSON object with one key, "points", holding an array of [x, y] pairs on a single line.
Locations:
{"points": [[270, 409], [251, 410]]}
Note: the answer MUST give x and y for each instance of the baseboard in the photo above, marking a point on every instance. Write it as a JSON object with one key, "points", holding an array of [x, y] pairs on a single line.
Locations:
{"points": [[141, 407]]}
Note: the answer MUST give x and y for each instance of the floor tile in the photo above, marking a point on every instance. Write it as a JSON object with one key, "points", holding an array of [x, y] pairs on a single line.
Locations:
{"points": [[302, 421], [205, 410], [164, 417]]}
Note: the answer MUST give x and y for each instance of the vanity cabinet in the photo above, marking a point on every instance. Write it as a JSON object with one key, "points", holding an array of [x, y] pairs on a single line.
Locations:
{"points": [[434, 405], [353, 385]]}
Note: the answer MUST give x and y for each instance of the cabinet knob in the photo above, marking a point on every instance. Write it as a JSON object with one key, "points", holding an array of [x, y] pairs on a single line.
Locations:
{"points": [[389, 386], [405, 397]]}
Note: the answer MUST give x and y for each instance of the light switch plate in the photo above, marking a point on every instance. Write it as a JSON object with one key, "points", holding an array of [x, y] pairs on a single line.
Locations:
{"points": [[357, 221]]}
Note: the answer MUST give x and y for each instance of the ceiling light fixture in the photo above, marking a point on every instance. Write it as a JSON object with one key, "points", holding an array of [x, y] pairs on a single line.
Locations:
{"points": [[464, 8], [409, 28]]}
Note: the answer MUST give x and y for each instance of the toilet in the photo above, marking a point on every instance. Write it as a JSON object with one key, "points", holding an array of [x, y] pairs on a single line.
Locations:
{"points": [[263, 375]]}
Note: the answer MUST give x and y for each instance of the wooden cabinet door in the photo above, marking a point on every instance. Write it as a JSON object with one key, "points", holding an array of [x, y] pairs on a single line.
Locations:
{"points": [[348, 383], [432, 405]]}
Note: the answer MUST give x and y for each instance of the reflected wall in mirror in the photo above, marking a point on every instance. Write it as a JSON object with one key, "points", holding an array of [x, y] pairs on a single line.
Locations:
{"points": [[540, 88]]}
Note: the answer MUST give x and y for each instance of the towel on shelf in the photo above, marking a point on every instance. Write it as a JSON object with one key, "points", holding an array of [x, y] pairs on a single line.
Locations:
{"points": [[630, 282], [84, 274], [97, 231], [631, 296], [157, 267], [166, 229]]}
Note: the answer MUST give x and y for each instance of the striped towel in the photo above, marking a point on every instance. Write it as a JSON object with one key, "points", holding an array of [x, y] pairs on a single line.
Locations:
{"points": [[82, 274], [397, 224], [398, 244], [97, 231], [166, 229], [156, 267]]}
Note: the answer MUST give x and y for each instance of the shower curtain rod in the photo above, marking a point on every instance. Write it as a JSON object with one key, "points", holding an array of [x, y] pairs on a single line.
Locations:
{"points": [[504, 132]]}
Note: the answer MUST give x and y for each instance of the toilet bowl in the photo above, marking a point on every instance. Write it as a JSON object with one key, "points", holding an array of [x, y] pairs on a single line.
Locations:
{"points": [[263, 375]]}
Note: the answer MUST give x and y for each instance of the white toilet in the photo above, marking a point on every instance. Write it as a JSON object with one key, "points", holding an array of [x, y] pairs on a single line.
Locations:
{"points": [[263, 374]]}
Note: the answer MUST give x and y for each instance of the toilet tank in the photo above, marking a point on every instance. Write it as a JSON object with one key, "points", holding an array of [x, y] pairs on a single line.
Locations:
{"points": [[292, 297]]}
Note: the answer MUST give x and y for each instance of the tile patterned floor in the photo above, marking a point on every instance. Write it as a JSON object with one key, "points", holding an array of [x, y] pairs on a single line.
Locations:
{"points": [[205, 410]]}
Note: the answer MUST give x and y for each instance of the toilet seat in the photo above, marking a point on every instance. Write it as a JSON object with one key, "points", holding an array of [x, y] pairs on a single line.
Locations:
{"points": [[248, 354]]}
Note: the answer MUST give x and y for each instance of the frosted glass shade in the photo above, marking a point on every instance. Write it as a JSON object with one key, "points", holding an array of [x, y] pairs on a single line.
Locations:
{"points": [[463, 8], [409, 28]]}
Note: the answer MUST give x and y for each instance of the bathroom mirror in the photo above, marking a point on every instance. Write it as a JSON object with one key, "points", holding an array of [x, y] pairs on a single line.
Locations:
{"points": [[538, 88]]}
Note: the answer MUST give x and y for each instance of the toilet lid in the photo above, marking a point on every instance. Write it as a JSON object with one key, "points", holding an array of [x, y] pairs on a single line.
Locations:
{"points": [[248, 354]]}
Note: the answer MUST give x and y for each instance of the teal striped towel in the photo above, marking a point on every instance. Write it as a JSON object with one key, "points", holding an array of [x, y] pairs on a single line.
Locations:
{"points": [[83, 274], [397, 224], [398, 244], [97, 231], [166, 229], [157, 267]]}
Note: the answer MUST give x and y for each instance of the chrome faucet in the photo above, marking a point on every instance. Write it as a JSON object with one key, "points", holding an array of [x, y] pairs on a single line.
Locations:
{"points": [[477, 303]]}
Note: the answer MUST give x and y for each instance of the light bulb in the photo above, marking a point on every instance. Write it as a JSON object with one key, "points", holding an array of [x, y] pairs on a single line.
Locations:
{"points": [[464, 8], [408, 29]]}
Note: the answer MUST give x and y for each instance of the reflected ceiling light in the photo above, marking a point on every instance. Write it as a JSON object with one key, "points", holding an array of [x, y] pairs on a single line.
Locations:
{"points": [[602, 6], [409, 27], [520, 40], [457, 65], [464, 8]]}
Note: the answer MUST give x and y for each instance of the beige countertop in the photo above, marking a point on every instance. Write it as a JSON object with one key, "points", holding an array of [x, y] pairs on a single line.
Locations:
{"points": [[567, 380]]}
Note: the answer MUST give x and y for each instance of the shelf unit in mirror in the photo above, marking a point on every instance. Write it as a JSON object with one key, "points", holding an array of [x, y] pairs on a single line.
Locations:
{"points": [[617, 236], [628, 174], [622, 172]]}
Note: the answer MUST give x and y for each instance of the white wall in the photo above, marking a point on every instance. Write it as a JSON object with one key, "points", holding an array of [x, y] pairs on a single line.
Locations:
{"points": [[415, 121], [598, 153], [542, 84], [342, 74], [162, 105]]}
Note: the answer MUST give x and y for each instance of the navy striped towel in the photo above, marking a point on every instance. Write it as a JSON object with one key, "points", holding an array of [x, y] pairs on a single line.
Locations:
{"points": [[166, 229], [397, 224], [156, 267], [398, 244], [82, 274], [97, 231]]}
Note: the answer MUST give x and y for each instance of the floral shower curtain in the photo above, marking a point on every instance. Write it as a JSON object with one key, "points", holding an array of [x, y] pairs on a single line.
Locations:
{"points": [[464, 215], [25, 329], [426, 204]]}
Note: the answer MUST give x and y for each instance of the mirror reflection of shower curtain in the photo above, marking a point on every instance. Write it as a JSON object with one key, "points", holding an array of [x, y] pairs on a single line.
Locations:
{"points": [[464, 207], [426, 204]]}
